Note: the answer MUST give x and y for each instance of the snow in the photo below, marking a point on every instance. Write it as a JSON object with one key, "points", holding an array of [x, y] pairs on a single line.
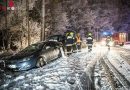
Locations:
{"points": [[19, 78], [65, 73], [26, 85], [120, 64], [39, 87], [127, 46], [54, 75]]}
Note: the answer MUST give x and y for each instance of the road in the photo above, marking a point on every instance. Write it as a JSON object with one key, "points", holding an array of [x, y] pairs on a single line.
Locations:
{"points": [[100, 69]]}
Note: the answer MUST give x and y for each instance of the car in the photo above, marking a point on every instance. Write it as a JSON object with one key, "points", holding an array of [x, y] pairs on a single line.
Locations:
{"points": [[3, 56], [57, 38], [35, 55]]}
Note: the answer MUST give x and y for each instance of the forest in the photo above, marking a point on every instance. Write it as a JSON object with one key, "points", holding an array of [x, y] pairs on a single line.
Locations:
{"points": [[23, 25]]}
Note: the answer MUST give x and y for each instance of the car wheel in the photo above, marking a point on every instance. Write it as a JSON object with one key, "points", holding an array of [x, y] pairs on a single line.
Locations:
{"points": [[59, 55], [40, 62]]}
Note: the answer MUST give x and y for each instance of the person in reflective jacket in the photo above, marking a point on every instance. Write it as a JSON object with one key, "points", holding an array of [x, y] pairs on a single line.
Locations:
{"points": [[69, 41], [78, 41], [108, 40], [89, 41], [69, 38]]}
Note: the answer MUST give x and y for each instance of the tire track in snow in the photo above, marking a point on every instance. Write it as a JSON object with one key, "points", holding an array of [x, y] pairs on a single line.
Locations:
{"points": [[124, 53], [106, 63]]}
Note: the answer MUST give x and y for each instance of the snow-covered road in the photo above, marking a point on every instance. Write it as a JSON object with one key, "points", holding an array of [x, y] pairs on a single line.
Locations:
{"points": [[80, 71]]}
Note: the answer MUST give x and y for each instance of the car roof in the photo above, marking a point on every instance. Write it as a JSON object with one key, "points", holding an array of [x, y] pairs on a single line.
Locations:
{"points": [[47, 42], [55, 35]]}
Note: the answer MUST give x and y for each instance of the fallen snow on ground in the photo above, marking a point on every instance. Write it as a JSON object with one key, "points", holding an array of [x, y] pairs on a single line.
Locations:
{"points": [[63, 73], [120, 64], [127, 46], [57, 75]]}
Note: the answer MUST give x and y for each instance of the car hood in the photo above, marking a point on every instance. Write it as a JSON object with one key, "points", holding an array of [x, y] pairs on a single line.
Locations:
{"points": [[20, 56]]}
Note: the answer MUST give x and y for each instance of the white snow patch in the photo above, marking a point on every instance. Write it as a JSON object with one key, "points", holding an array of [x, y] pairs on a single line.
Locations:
{"points": [[40, 87], [29, 75], [37, 78], [5, 85], [25, 85], [19, 78], [127, 46]]}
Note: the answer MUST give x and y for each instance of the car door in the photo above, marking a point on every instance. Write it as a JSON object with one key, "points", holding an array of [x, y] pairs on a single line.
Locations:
{"points": [[56, 50], [51, 51]]}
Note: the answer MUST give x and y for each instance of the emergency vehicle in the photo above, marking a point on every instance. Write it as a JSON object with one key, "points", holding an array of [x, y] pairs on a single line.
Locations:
{"points": [[121, 38]]}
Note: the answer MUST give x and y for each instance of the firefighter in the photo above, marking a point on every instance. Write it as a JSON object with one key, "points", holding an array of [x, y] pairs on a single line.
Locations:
{"points": [[89, 41], [78, 42], [108, 40], [69, 41], [69, 38]]}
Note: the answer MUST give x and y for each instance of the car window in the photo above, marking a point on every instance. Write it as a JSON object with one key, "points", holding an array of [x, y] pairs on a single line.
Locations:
{"points": [[61, 38], [33, 47], [54, 38], [49, 45]]}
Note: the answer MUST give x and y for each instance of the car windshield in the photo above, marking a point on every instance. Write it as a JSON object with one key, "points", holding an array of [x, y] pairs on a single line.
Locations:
{"points": [[53, 38], [33, 47]]}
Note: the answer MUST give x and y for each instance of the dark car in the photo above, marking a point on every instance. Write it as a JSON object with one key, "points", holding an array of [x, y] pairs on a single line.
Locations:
{"points": [[58, 38], [35, 55], [3, 57]]}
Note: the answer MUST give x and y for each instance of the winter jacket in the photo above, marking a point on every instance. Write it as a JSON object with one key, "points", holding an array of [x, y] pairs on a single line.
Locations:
{"points": [[89, 40], [70, 40], [78, 39]]}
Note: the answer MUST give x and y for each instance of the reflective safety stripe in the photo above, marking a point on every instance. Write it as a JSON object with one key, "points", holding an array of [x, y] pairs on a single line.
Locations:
{"points": [[78, 39], [68, 37], [89, 38]]}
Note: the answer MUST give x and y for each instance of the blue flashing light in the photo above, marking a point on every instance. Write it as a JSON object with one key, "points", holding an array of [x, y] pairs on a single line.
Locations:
{"points": [[105, 33], [108, 33]]}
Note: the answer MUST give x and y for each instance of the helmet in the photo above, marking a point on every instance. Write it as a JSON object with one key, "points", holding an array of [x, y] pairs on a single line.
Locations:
{"points": [[89, 34], [108, 36]]}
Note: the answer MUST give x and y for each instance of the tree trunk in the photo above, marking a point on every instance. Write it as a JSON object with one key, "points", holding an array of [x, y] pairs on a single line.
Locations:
{"points": [[7, 38], [43, 21], [3, 43], [27, 11]]}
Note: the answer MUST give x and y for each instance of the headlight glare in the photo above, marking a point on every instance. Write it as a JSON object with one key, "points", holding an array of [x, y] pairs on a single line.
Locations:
{"points": [[111, 43], [12, 66]]}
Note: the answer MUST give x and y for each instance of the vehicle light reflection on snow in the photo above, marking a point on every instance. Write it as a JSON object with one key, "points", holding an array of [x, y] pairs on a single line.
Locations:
{"points": [[111, 43]]}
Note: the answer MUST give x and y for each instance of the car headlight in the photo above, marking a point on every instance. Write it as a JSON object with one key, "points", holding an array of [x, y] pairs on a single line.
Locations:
{"points": [[12, 66]]}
